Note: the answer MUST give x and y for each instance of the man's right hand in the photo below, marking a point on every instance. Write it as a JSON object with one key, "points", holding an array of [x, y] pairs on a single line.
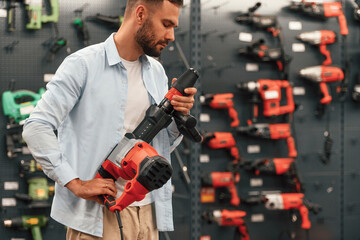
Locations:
{"points": [[90, 190]]}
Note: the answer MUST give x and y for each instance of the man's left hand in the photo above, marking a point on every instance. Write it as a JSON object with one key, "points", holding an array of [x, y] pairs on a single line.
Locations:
{"points": [[183, 104]]}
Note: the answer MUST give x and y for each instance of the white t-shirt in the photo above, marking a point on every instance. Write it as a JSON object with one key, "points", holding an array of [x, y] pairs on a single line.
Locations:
{"points": [[137, 103]]}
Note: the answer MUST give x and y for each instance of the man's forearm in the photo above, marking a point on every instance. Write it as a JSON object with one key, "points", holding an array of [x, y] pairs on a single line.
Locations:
{"points": [[43, 145]]}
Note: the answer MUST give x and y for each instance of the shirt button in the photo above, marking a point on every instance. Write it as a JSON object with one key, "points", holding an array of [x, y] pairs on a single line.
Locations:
{"points": [[124, 82], [119, 129], [122, 105]]}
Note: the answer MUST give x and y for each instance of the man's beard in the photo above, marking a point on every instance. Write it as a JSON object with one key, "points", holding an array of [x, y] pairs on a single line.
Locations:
{"points": [[146, 39]]}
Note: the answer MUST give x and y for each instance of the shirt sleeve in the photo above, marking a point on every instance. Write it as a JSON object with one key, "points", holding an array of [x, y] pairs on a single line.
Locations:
{"points": [[63, 92]]}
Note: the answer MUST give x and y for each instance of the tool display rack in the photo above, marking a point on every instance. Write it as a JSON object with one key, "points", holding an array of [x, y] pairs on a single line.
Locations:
{"points": [[209, 38]]}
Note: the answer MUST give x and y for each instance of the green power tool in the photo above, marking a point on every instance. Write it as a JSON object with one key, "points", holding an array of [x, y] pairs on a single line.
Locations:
{"points": [[39, 192], [35, 17], [34, 223], [18, 105]]}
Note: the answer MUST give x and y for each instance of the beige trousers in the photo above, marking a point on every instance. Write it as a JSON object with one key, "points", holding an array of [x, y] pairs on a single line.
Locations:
{"points": [[138, 224]]}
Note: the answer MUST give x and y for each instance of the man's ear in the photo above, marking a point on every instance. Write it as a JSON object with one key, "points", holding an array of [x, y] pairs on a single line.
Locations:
{"points": [[141, 14]]}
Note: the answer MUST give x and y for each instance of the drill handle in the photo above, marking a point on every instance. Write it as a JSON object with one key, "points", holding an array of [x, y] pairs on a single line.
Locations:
{"points": [[291, 146], [234, 116], [343, 25], [304, 212], [36, 233], [235, 200], [11, 16], [326, 99], [326, 53], [186, 125], [241, 233]]}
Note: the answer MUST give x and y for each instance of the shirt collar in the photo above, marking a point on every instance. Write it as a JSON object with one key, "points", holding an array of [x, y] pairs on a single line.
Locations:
{"points": [[113, 55]]}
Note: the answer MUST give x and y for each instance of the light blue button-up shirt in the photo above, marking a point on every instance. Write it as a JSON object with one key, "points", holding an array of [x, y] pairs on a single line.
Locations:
{"points": [[85, 102]]}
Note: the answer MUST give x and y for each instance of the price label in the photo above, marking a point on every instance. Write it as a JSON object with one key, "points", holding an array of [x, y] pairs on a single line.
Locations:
{"points": [[253, 148], [3, 13], [257, 217], [11, 186], [298, 47], [48, 77], [271, 95], [207, 195], [204, 117], [256, 182], [245, 37], [252, 67], [299, 91], [295, 25], [206, 237], [8, 202], [204, 158]]}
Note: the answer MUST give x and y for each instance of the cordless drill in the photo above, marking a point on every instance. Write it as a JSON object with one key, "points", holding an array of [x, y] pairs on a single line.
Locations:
{"points": [[229, 218], [263, 22], [323, 75], [321, 10], [319, 38], [260, 52], [270, 93], [28, 222], [277, 166], [223, 179], [219, 140], [222, 101], [271, 131], [35, 17], [287, 201], [135, 160]]}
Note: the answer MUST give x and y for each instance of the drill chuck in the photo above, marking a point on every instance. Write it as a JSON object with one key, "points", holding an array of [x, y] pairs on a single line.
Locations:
{"points": [[313, 37], [311, 73], [251, 86]]}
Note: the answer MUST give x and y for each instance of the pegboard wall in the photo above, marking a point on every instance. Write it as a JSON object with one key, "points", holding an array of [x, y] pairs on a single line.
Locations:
{"points": [[209, 39]]}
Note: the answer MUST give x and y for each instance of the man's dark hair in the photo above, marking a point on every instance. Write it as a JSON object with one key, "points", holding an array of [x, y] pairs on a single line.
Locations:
{"points": [[131, 3]]}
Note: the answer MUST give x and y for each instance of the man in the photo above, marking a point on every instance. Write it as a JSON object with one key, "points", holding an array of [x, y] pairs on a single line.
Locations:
{"points": [[97, 95]]}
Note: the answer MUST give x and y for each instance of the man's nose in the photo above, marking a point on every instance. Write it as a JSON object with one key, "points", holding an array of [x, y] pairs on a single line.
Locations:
{"points": [[170, 35]]}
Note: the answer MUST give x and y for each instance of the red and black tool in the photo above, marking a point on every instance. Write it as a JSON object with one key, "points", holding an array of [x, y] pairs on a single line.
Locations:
{"points": [[277, 166], [322, 10], [222, 101], [270, 93], [287, 201], [320, 38], [262, 22], [135, 160], [273, 131], [219, 140], [229, 218], [323, 75]]}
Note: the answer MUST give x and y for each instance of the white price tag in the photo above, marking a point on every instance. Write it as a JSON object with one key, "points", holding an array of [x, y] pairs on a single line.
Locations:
{"points": [[295, 25], [299, 91], [11, 186], [271, 95], [204, 117], [245, 37], [26, 110], [8, 202], [253, 148], [256, 182], [204, 158], [33, 2], [48, 77], [171, 48], [257, 217], [17, 239], [252, 67], [3, 13], [298, 47]]}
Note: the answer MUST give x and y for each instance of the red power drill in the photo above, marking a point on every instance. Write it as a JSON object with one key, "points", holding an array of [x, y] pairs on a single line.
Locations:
{"points": [[320, 38], [135, 160], [287, 201], [323, 75], [223, 179], [277, 166], [222, 101], [322, 10], [229, 218], [218, 140], [270, 93], [271, 131]]}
